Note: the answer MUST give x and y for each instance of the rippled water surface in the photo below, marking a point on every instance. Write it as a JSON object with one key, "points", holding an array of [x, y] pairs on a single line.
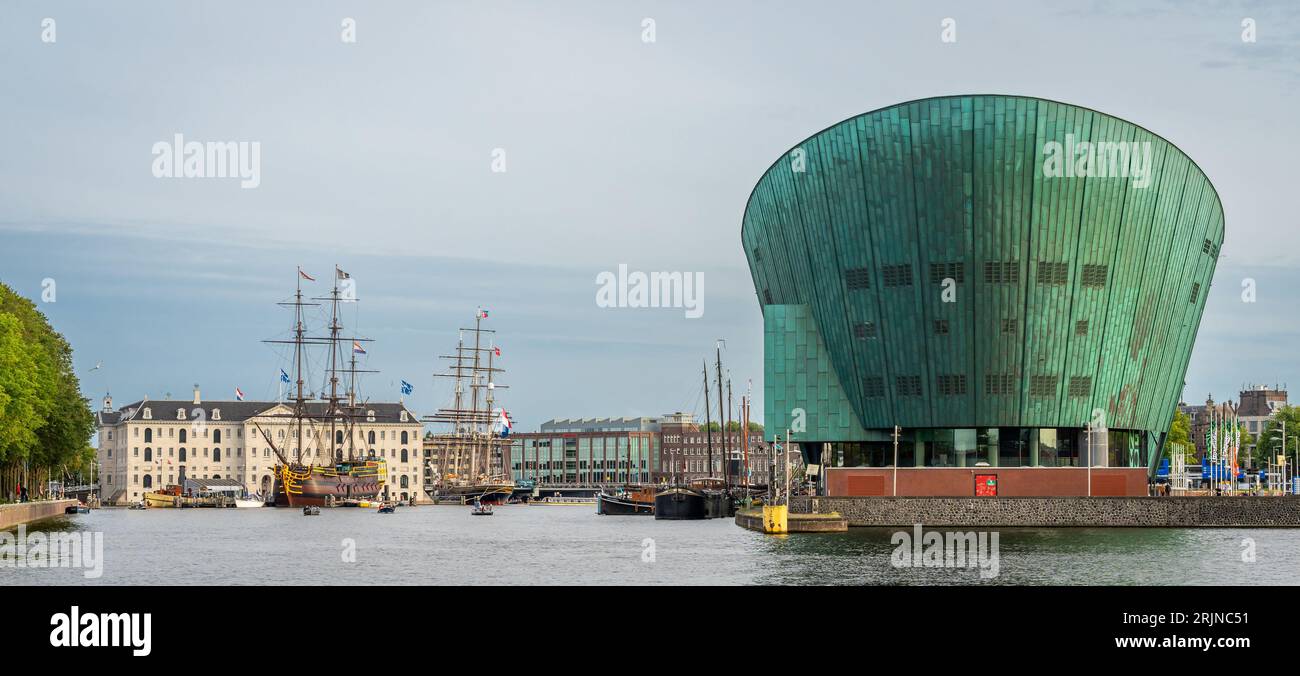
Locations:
{"points": [[572, 545]]}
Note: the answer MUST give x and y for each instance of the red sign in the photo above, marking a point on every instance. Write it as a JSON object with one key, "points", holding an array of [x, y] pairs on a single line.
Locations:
{"points": [[986, 485]]}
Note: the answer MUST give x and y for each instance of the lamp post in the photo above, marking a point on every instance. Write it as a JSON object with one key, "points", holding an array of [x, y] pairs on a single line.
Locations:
{"points": [[1088, 426], [896, 430]]}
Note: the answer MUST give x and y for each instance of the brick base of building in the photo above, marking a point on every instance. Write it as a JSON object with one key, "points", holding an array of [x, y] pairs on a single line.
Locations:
{"points": [[1061, 512]]}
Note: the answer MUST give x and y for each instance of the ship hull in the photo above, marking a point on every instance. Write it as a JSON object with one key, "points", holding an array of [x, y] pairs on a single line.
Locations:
{"points": [[680, 504], [330, 486], [611, 505]]}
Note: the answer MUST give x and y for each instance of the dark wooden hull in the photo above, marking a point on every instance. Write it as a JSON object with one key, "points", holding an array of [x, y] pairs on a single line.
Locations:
{"points": [[612, 505], [680, 504]]}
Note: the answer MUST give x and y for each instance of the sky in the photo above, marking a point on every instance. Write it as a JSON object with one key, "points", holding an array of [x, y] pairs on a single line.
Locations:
{"points": [[383, 156]]}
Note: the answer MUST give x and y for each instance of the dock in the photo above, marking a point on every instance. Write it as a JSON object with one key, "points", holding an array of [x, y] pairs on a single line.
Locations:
{"points": [[753, 519]]}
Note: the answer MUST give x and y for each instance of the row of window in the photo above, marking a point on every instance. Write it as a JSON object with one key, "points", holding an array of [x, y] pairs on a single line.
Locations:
{"points": [[870, 330], [948, 385], [239, 452], [146, 413], [995, 272], [216, 434], [993, 447]]}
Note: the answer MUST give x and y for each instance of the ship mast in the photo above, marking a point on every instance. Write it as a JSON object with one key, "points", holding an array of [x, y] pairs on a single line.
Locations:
{"points": [[300, 340], [721, 416], [708, 429], [470, 427], [337, 342]]}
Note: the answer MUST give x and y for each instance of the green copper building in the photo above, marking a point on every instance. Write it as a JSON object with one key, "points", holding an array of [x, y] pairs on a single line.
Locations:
{"points": [[1009, 280]]}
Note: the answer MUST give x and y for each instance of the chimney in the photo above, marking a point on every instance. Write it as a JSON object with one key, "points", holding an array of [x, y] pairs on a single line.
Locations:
{"points": [[197, 400], [108, 402]]}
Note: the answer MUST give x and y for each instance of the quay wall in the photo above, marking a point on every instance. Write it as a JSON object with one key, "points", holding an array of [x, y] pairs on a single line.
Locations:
{"points": [[1058, 512], [23, 512]]}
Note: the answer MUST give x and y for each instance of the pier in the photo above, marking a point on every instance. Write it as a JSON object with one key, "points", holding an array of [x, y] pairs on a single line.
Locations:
{"points": [[25, 512]]}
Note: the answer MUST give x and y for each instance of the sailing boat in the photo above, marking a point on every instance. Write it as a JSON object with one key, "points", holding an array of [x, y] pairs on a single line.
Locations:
{"points": [[470, 454], [342, 480], [685, 502]]}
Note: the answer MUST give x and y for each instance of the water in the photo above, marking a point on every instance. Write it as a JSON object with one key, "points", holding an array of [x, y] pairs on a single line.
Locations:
{"points": [[573, 545]]}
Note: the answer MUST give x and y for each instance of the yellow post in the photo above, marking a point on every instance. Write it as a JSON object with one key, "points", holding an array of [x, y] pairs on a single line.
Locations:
{"points": [[775, 518]]}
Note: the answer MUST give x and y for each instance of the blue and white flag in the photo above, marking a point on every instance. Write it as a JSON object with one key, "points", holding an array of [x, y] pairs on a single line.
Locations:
{"points": [[284, 377], [406, 387]]}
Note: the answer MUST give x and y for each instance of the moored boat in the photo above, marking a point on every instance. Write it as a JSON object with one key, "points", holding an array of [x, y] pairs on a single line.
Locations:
{"points": [[626, 503], [679, 503], [165, 497]]}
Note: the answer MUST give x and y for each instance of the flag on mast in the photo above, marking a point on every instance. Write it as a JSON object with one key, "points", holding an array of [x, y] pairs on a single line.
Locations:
{"points": [[505, 424], [306, 276], [284, 377], [357, 349], [407, 388], [482, 314], [239, 394]]}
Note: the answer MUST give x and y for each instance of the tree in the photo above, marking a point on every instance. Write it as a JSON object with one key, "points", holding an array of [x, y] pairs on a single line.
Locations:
{"points": [[19, 416], [45, 424], [1180, 436], [1269, 444]]}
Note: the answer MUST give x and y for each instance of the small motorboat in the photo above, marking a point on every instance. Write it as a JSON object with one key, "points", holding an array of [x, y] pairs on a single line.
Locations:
{"points": [[387, 508], [481, 509], [77, 509], [138, 505], [250, 501], [311, 510]]}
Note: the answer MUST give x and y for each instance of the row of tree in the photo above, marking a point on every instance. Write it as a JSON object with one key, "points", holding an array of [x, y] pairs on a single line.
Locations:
{"points": [[45, 423], [1264, 449]]}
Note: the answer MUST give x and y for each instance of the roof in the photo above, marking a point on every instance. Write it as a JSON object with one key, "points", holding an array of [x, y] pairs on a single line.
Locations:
{"points": [[214, 485], [239, 411]]}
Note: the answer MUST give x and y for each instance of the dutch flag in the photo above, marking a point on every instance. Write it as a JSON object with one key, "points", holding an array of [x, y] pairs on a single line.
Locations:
{"points": [[239, 394], [505, 424], [357, 349]]}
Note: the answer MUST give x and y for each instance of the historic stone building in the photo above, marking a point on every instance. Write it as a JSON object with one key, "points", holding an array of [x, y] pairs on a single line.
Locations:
{"points": [[151, 444]]}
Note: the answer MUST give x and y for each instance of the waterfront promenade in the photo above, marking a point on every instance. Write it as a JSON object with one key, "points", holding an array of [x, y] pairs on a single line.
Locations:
{"points": [[24, 512]]}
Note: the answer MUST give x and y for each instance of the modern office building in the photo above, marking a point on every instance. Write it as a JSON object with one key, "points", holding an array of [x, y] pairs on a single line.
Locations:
{"points": [[1014, 283], [591, 451], [587, 457]]}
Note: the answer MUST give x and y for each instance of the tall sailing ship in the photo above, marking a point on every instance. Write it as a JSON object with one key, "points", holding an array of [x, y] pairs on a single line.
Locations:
{"points": [[470, 452], [321, 468]]}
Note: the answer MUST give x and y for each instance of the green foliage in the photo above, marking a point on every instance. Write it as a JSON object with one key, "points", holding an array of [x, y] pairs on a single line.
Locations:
{"points": [[1180, 436], [1269, 445], [44, 421]]}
